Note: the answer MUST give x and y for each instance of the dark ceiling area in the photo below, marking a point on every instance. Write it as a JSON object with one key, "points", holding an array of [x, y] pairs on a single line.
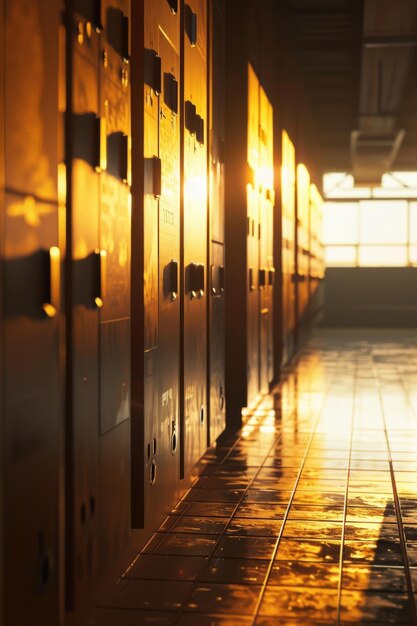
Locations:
{"points": [[359, 63]]}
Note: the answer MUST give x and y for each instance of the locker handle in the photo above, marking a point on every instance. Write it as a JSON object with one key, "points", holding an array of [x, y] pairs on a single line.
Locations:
{"points": [[153, 70], [221, 278], [271, 275], [173, 279], [251, 283], [51, 294], [191, 25], [196, 280], [173, 5], [99, 259], [262, 277]]}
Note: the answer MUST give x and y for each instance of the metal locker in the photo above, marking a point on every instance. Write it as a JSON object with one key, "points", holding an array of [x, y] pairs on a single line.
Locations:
{"points": [[2, 218], [113, 505], [254, 276], [216, 261], [288, 175], [157, 448], [302, 270], [85, 159], [266, 201], [316, 257], [194, 236], [98, 302], [31, 401]]}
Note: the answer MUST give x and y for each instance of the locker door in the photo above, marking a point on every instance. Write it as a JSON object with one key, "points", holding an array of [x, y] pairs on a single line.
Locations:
{"points": [[265, 251], [270, 228], [194, 236], [288, 244], [98, 305], [85, 159], [32, 400], [253, 233], [216, 297], [113, 498], [2, 218], [303, 192], [158, 450]]}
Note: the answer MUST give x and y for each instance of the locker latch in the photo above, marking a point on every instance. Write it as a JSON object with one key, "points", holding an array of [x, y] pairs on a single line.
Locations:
{"points": [[196, 280], [89, 132], [153, 70], [173, 5], [117, 155], [173, 279], [217, 280], [199, 129], [191, 24], [221, 279], [153, 176], [262, 277], [171, 92], [271, 273], [50, 296], [118, 32], [190, 117], [251, 282], [91, 10], [99, 259]]}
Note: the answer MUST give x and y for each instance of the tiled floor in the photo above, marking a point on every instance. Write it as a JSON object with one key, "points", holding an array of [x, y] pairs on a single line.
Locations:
{"points": [[311, 516]]}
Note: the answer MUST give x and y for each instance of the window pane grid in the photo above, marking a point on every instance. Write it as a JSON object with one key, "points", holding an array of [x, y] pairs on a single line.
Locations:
{"points": [[374, 232]]}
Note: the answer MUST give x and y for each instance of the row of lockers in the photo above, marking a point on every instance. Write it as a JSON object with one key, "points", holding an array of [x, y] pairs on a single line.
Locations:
{"points": [[126, 272]]}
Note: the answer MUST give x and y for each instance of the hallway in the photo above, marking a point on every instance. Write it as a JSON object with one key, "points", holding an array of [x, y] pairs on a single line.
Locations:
{"points": [[309, 515]]}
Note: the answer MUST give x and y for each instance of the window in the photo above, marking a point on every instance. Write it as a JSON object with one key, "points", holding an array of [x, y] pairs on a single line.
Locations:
{"points": [[371, 227]]}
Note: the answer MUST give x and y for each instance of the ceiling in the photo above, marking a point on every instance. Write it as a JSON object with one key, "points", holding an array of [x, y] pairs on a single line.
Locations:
{"points": [[359, 62]]}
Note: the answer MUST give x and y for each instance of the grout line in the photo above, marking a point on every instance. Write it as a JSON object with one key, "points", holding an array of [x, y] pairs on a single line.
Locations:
{"points": [[401, 531], [278, 541], [342, 542], [231, 517]]}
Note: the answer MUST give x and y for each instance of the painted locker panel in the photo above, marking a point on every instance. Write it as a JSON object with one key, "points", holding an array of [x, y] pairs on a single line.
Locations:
{"points": [[303, 206], [270, 278], [216, 299], [317, 266], [113, 503], [253, 232], [288, 174], [266, 176], [31, 294], [84, 161], [217, 348], [194, 236], [162, 259], [2, 216]]}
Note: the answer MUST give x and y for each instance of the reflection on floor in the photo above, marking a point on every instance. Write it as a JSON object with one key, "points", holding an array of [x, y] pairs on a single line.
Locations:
{"points": [[311, 516]]}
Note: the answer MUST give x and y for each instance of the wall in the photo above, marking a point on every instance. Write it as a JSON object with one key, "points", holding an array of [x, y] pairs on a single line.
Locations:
{"points": [[371, 296]]}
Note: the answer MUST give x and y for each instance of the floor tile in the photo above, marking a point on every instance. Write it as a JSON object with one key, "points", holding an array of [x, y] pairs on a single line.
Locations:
{"points": [[302, 574], [146, 595], [246, 547], [388, 608], [237, 571], [300, 603], [224, 598], [255, 527], [186, 544], [304, 550], [374, 578], [162, 567]]}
